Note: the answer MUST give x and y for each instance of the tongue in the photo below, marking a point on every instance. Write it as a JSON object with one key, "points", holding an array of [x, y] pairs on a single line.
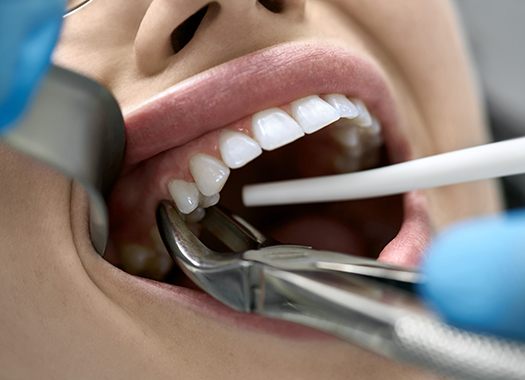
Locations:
{"points": [[321, 233]]}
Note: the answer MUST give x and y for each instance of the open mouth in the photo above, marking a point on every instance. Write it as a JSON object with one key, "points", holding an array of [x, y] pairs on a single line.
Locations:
{"points": [[292, 111]]}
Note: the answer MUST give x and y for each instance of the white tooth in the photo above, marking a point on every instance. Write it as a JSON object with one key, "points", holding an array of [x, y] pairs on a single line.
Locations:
{"points": [[313, 113], [237, 149], [374, 128], [343, 105], [209, 174], [212, 200], [185, 194], [364, 119], [274, 128]]}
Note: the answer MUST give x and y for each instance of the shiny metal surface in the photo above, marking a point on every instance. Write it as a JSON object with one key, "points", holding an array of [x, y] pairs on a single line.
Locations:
{"points": [[359, 300], [76, 126], [75, 6]]}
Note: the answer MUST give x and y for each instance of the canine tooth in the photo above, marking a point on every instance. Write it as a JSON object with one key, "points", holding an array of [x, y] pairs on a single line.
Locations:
{"points": [[237, 149], [209, 174], [274, 128], [364, 119], [313, 113], [343, 105], [212, 200], [185, 194]]}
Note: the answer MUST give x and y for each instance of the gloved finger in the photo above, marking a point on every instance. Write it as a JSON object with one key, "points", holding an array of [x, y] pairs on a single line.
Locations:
{"points": [[29, 30], [475, 276]]}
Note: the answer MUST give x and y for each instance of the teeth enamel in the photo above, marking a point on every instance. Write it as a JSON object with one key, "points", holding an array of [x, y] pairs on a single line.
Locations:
{"points": [[313, 113], [274, 128], [356, 132], [185, 195], [364, 119], [237, 149], [374, 128], [209, 174], [343, 105], [212, 200]]}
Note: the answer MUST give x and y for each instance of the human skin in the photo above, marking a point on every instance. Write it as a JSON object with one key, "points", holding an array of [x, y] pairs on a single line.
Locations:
{"points": [[67, 313]]}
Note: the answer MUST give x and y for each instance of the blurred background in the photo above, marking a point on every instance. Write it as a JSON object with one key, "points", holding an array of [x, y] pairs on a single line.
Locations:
{"points": [[495, 30]]}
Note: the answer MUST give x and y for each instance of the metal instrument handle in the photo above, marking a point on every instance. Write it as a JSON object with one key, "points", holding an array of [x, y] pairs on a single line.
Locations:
{"points": [[387, 321], [76, 126]]}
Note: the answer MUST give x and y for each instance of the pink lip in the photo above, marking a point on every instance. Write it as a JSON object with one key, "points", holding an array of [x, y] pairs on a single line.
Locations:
{"points": [[233, 91], [239, 88]]}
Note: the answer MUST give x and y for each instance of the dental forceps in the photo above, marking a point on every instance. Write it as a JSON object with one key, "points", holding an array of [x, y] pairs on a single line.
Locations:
{"points": [[370, 304]]}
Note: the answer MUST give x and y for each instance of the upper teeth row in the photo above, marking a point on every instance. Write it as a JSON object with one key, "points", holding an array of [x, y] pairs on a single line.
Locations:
{"points": [[271, 129]]}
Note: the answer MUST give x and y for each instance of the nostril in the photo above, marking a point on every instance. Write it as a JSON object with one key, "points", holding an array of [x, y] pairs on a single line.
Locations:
{"points": [[183, 34], [275, 6]]}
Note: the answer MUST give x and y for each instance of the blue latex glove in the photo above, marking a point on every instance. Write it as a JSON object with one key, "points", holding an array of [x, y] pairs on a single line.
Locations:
{"points": [[476, 276], [28, 33]]}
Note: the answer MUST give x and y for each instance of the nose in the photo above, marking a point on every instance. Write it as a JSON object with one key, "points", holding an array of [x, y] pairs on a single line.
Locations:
{"points": [[171, 28]]}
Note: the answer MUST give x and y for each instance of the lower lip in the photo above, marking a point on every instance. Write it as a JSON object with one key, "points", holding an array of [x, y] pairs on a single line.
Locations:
{"points": [[204, 304]]}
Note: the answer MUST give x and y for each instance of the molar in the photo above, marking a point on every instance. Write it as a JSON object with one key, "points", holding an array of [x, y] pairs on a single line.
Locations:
{"points": [[185, 195], [209, 173], [274, 128], [237, 149], [313, 113], [346, 108]]}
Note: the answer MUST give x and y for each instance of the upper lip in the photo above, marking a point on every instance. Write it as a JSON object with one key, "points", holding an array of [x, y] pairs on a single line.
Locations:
{"points": [[237, 89], [267, 78]]}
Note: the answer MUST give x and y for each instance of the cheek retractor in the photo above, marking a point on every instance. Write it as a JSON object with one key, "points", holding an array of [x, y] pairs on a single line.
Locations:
{"points": [[488, 161]]}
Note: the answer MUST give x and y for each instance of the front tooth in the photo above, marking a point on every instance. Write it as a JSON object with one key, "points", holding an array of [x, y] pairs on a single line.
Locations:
{"points": [[185, 194], [209, 174], [237, 149], [343, 105], [212, 200], [274, 128], [313, 113], [364, 119]]}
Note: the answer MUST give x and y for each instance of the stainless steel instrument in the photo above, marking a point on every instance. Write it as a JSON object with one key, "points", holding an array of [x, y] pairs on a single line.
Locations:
{"points": [[76, 126], [370, 304]]}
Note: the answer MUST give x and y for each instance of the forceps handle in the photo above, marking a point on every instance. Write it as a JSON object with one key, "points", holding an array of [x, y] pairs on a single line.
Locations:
{"points": [[76, 126], [386, 321]]}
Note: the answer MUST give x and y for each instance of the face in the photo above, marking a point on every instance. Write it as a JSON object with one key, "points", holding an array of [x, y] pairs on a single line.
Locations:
{"points": [[203, 86]]}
